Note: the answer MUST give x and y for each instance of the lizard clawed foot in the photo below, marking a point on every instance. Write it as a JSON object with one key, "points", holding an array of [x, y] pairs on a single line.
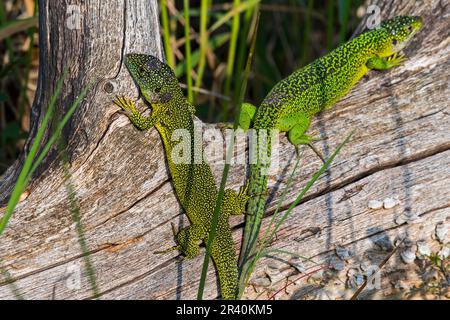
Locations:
{"points": [[264, 193], [317, 152], [243, 190], [225, 125]]}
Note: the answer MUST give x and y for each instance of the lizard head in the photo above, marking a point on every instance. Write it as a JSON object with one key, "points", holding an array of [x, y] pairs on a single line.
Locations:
{"points": [[397, 32], [156, 80]]}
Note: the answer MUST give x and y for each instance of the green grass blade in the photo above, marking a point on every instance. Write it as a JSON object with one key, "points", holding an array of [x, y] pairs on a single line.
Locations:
{"points": [[24, 173], [215, 217], [187, 47], [166, 34], [10, 281]]}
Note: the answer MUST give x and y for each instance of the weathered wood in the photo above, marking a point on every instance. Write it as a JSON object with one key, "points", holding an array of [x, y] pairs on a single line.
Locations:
{"points": [[399, 149]]}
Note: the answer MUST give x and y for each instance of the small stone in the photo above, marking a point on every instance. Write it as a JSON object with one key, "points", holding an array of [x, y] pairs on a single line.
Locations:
{"points": [[361, 12], [389, 203], [322, 295], [343, 253], [316, 276], [423, 249], [354, 278], [444, 253], [290, 289], [359, 280], [375, 204], [441, 232], [384, 243], [365, 265], [400, 238], [269, 269], [430, 275], [408, 255]]}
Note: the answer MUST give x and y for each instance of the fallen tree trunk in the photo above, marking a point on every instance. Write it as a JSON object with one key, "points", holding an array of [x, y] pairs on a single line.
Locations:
{"points": [[398, 154]]}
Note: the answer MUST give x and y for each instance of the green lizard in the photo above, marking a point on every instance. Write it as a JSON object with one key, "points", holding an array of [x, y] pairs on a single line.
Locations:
{"points": [[194, 182], [292, 102]]}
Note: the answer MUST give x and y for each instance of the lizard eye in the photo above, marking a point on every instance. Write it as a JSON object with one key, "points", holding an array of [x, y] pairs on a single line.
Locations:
{"points": [[141, 70], [157, 89], [394, 42]]}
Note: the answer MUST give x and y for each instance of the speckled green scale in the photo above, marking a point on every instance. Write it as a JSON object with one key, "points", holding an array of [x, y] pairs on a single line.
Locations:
{"points": [[194, 182]]}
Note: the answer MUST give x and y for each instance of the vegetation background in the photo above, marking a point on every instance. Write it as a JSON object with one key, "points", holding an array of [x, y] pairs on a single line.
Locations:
{"points": [[291, 34], [207, 43]]}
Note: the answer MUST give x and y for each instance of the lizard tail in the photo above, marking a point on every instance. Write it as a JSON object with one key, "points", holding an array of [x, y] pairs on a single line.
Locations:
{"points": [[225, 259], [177, 247]]}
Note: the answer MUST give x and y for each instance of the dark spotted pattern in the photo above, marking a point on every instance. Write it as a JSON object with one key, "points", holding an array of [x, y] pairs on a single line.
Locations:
{"points": [[322, 83], [194, 182]]}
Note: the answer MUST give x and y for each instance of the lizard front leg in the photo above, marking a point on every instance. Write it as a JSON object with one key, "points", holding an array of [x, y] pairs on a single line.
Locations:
{"points": [[234, 203], [141, 122], [247, 115]]}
